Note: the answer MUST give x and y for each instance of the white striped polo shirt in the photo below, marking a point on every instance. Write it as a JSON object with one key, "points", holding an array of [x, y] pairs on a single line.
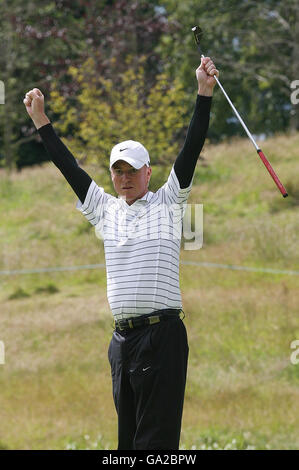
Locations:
{"points": [[142, 246]]}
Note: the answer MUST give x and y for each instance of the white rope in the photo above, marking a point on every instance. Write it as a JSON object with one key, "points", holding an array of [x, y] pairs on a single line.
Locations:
{"points": [[242, 268], [187, 263]]}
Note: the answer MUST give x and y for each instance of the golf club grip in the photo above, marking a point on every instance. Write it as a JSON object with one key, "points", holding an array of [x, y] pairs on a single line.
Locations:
{"points": [[272, 173]]}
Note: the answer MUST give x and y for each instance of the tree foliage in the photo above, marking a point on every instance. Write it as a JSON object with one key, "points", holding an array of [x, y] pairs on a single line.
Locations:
{"points": [[39, 41], [107, 111], [254, 44], [35, 45]]}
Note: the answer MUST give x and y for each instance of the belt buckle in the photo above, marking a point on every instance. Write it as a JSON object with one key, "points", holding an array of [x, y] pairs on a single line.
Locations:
{"points": [[154, 319], [118, 325]]}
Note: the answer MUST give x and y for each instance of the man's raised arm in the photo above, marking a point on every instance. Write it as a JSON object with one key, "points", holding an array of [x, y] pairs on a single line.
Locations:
{"points": [[60, 155], [185, 163]]}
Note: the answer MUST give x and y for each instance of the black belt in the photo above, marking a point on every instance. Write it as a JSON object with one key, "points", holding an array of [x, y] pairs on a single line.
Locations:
{"points": [[150, 319]]}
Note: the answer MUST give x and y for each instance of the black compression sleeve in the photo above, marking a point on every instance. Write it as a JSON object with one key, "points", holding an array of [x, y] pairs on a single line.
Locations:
{"points": [[65, 161], [185, 163]]}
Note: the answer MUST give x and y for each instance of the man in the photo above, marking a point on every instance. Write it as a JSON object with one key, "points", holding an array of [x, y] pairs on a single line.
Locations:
{"points": [[148, 352]]}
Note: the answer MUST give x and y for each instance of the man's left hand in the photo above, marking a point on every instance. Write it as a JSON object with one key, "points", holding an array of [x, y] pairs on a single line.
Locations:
{"points": [[205, 76]]}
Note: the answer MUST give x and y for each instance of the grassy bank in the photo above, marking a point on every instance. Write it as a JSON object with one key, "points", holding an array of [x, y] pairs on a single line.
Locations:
{"points": [[242, 390]]}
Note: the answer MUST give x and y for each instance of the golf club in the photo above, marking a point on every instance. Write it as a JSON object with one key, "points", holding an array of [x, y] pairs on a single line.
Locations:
{"points": [[198, 35]]}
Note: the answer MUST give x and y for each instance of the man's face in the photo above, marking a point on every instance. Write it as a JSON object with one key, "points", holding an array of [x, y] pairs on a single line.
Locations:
{"points": [[129, 183]]}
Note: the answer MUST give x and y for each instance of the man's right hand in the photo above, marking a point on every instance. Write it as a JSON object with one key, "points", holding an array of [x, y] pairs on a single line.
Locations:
{"points": [[34, 102]]}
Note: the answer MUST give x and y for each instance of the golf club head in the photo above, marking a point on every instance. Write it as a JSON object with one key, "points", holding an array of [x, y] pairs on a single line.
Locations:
{"points": [[197, 31]]}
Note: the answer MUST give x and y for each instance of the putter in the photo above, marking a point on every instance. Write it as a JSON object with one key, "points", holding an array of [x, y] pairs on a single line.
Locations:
{"points": [[198, 35]]}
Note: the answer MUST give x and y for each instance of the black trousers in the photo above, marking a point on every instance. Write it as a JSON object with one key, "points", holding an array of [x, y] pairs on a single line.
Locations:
{"points": [[149, 367]]}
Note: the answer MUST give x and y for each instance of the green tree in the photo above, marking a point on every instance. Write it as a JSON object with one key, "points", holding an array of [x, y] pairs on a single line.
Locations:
{"points": [[107, 111], [254, 44], [34, 46], [40, 40]]}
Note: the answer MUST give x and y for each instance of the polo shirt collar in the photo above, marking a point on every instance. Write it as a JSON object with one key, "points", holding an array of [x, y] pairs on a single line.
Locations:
{"points": [[140, 202]]}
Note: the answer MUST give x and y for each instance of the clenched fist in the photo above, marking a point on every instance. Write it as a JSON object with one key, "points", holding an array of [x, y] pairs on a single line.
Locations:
{"points": [[205, 76], [34, 102]]}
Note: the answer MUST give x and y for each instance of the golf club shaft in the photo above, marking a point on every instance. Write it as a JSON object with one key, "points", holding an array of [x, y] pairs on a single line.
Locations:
{"points": [[235, 111], [259, 151]]}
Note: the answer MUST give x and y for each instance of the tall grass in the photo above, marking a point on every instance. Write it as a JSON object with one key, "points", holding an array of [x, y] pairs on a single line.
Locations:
{"points": [[242, 390]]}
